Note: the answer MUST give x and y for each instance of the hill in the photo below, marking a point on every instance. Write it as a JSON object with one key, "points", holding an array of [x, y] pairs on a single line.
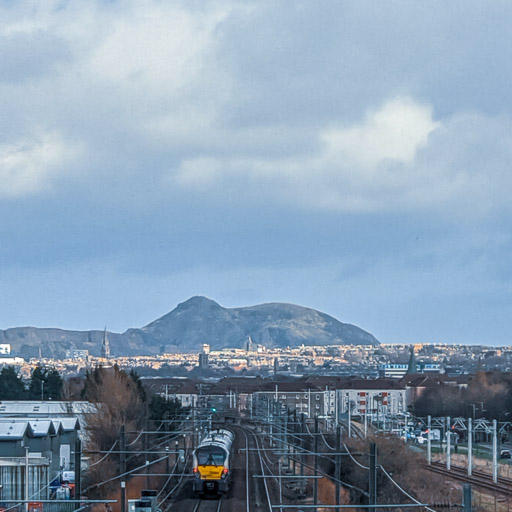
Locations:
{"points": [[194, 322]]}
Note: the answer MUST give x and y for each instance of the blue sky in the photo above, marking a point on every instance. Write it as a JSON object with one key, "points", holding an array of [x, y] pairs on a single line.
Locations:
{"points": [[354, 158]]}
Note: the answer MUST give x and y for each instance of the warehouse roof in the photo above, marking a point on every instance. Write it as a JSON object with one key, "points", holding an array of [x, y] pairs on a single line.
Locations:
{"points": [[15, 430]]}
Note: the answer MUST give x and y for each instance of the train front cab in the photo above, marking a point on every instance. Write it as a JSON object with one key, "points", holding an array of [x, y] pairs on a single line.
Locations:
{"points": [[211, 471]]}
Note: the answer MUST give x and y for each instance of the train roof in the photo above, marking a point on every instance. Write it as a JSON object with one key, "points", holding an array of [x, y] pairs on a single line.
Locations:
{"points": [[221, 438]]}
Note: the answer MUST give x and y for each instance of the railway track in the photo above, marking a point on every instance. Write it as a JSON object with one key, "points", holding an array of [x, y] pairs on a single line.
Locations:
{"points": [[208, 506], [246, 494], [477, 473], [257, 494], [356, 430], [478, 478]]}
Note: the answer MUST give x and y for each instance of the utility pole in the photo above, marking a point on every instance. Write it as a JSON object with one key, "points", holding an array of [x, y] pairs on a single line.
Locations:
{"points": [[494, 451], [122, 460], [349, 417], [372, 481], [337, 460], [287, 437], [429, 440], [269, 420], [315, 482], [470, 446], [78, 471], [301, 441], [280, 485], [448, 444], [466, 497], [26, 478], [294, 439], [146, 446]]}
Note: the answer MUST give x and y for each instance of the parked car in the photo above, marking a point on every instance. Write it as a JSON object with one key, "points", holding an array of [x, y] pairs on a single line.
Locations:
{"points": [[505, 454]]}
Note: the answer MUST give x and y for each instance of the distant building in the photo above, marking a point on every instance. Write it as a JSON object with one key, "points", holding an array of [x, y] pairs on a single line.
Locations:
{"points": [[77, 354], [203, 361], [11, 360], [393, 371], [430, 368], [373, 397], [205, 349], [293, 396], [5, 349], [397, 371], [105, 345], [249, 345]]}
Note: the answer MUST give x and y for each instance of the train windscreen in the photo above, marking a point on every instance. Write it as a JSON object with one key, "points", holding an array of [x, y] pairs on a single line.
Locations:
{"points": [[210, 457]]}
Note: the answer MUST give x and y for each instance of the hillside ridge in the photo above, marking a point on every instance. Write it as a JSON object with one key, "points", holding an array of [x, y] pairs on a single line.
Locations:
{"points": [[193, 322]]}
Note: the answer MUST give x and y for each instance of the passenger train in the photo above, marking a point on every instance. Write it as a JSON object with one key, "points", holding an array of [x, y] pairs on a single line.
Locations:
{"points": [[211, 463]]}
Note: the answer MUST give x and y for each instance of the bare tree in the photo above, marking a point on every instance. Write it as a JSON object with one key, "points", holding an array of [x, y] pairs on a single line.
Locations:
{"points": [[118, 402]]}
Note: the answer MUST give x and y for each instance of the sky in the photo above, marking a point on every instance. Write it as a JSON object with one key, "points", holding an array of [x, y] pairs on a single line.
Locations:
{"points": [[352, 157]]}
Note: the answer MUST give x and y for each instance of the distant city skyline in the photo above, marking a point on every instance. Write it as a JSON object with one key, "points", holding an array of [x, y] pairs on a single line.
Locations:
{"points": [[353, 158]]}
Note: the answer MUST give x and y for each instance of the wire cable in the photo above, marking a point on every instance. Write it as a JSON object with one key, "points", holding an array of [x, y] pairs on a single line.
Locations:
{"points": [[126, 473], [352, 457], [137, 438], [326, 443], [105, 456], [168, 479], [178, 483], [402, 490]]}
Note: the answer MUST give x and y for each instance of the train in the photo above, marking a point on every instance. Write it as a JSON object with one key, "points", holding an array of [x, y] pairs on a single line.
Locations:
{"points": [[211, 463]]}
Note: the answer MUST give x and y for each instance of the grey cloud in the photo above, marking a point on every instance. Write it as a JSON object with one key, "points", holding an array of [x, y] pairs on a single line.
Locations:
{"points": [[29, 57], [254, 87]]}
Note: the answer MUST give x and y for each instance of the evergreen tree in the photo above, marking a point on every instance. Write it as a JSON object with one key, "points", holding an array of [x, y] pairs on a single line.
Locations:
{"points": [[37, 383], [45, 384], [140, 388], [162, 409], [11, 385], [53, 385]]}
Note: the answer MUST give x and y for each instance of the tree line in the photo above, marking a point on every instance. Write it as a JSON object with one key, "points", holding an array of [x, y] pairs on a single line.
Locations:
{"points": [[487, 395], [44, 384]]}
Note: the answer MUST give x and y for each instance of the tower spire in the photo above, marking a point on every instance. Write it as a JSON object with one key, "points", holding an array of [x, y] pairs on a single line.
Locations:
{"points": [[413, 365], [105, 345]]}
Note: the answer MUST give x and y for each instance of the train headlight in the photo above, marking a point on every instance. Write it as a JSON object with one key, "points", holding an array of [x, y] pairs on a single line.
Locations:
{"points": [[224, 473]]}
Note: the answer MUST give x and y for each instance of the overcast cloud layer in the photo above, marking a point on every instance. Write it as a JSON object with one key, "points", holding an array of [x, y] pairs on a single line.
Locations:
{"points": [[354, 158]]}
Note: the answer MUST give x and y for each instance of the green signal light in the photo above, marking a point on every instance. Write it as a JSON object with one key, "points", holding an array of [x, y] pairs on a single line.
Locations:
{"points": [[214, 409]]}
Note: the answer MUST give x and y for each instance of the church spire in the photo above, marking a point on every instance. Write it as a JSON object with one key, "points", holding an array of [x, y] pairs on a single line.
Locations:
{"points": [[413, 365], [105, 345]]}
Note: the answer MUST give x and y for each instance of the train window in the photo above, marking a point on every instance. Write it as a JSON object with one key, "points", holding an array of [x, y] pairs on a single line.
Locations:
{"points": [[208, 457]]}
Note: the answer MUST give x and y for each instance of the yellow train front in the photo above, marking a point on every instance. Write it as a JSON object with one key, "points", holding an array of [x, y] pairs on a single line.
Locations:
{"points": [[211, 463]]}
